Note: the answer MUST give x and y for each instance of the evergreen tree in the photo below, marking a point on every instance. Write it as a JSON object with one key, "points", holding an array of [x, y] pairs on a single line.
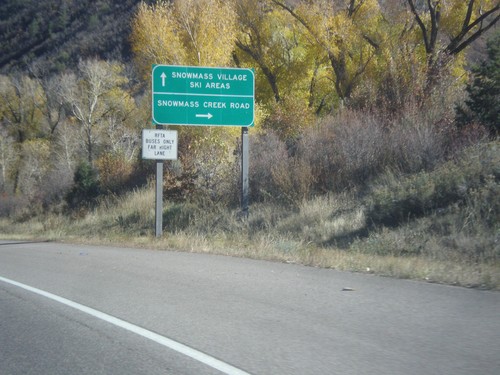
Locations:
{"points": [[85, 188], [483, 104]]}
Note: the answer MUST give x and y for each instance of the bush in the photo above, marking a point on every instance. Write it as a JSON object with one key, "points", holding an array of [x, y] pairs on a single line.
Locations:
{"points": [[294, 180], [345, 151], [114, 172], [267, 152], [353, 148], [399, 199], [85, 188], [53, 188], [289, 118], [216, 169], [415, 143], [10, 204], [207, 170], [483, 102]]}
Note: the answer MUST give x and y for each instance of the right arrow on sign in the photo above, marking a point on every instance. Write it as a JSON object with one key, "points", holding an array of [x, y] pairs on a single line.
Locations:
{"points": [[208, 115]]}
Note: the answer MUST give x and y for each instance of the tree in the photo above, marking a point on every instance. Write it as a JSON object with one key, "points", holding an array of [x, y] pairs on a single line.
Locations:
{"points": [[54, 110], [36, 167], [7, 158], [187, 32], [483, 104], [268, 40], [21, 100], [96, 97], [448, 27], [346, 36], [184, 32], [85, 188]]}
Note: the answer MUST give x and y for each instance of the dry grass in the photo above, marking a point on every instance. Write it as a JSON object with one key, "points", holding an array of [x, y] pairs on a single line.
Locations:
{"points": [[301, 236], [436, 220]]}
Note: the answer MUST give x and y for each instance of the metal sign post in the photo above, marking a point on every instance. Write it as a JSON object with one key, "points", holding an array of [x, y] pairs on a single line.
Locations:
{"points": [[159, 199], [244, 171], [159, 144]]}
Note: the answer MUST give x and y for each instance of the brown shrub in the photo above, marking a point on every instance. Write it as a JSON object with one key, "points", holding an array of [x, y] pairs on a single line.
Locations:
{"points": [[267, 153], [417, 144], [345, 151], [114, 171], [289, 118], [11, 204], [294, 180], [352, 148]]}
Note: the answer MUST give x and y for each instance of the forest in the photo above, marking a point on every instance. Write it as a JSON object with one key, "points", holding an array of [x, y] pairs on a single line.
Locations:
{"points": [[381, 114]]}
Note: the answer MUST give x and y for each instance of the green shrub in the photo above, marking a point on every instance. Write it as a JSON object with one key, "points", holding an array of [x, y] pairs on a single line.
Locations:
{"points": [[399, 199], [484, 91], [85, 188]]}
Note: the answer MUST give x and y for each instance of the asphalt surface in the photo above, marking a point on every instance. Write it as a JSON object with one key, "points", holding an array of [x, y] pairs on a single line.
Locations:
{"points": [[261, 317]]}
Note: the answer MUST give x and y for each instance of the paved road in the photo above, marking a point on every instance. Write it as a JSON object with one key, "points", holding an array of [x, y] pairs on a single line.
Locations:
{"points": [[260, 317]]}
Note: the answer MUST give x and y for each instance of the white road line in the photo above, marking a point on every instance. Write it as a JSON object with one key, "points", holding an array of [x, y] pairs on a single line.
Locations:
{"points": [[162, 340]]}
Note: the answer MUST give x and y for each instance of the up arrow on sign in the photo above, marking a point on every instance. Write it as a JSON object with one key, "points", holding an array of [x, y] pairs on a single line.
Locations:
{"points": [[189, 95]]}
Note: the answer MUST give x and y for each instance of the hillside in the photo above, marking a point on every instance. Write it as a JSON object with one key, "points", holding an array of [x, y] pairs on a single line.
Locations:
{"points": [[55, 34]]}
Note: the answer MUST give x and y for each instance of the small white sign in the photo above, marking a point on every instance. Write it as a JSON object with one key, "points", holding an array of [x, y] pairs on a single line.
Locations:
{"points": [[159, 144]]}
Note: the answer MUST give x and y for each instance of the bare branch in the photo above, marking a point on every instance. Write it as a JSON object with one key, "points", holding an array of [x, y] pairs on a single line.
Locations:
{"points": [[421, 25]]}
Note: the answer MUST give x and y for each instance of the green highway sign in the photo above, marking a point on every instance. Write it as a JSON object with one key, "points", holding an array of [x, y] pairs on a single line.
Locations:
{"points": [[190, 95]]}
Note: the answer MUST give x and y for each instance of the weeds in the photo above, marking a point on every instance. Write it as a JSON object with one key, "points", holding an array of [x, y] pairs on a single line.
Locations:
{"points": [[356, 193], [397, 199]]}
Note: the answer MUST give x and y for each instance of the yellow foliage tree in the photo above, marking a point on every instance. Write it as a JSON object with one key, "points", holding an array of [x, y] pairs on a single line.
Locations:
{"points": [[21, 100], [448, 27], [193, 33], [345, 33], [183, 32], [269, 40]]}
